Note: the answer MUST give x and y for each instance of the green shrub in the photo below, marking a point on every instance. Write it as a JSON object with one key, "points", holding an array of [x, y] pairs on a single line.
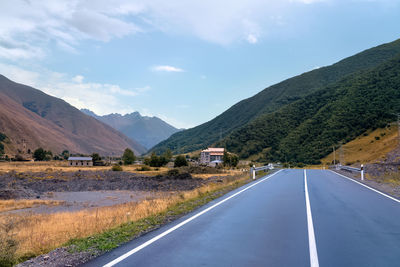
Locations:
{"points": [[143, 169], [173, 172], [156, 161], [8, 244], [180, 161], [116, 168]]}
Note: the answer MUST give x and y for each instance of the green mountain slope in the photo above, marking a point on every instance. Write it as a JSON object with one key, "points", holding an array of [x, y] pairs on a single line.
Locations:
{"points": [[306, 130], [275, 97]]}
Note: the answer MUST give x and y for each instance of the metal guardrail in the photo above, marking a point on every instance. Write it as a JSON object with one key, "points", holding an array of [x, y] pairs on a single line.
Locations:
{"points": [[255, 169], [348, 168], [352, 169]]}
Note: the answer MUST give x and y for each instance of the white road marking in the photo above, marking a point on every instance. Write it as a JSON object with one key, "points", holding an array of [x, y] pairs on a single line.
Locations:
{"points": [[379, 192], [154, 239], [311, 236]]}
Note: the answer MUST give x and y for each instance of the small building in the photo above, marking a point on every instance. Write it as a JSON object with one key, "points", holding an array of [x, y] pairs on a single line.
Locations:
{"points": [[80, 161], [211, 154]]}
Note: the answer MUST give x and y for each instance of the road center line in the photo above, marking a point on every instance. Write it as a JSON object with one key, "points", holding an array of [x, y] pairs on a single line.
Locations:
{"points": [[311, 236], [377, 191], [154, 239]]}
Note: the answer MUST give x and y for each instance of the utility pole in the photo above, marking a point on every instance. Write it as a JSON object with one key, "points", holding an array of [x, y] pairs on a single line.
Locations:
{"points": [[341, 154], [334, 156], [398, 127]]}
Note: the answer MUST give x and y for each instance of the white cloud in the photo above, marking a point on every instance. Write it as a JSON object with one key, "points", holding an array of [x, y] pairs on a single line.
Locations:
{"points": [[252, 39], [102, 98], [167, 68], [29, 27], [78, 78]]}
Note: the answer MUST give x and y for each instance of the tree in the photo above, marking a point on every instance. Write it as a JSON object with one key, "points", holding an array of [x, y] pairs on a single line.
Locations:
{"points": [[156, 161], [180, 161], [65, 154], [39, 154], [96, 157], [128, 157], [1, 149], [230, 159]]}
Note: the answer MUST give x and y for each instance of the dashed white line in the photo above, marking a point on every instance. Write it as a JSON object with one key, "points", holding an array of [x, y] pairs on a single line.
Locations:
{"points": [[379, 192], [311, 236], [154, 239]]}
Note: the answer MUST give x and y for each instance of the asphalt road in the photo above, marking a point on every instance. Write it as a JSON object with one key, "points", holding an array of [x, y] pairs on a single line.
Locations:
{"points": [[267, 223]]}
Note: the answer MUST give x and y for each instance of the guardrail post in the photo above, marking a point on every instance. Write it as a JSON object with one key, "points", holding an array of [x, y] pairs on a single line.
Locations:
{"points": [[362, 172]]}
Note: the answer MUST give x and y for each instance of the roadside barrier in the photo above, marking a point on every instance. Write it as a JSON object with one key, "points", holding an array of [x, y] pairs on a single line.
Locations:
{"points": [[255, 169], [352, 169]]}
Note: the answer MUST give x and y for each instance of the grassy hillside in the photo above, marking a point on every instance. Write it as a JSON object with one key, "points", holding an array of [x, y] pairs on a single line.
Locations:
{"points": [[370, 147], [306, 130], [275, 97]]}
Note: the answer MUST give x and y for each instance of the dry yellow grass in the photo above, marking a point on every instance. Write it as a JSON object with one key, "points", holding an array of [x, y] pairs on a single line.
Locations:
{"points": [[7, 205], [367, 149], [37, 234], [225, 173]]}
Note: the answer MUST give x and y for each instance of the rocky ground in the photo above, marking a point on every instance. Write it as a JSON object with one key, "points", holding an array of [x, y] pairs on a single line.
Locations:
{"points": [[60, 257], [15, 185], [390, 164]]}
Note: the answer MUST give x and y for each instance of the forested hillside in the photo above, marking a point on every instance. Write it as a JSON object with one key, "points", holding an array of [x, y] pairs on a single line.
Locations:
{"points": [[272, 99], [306, 130]]}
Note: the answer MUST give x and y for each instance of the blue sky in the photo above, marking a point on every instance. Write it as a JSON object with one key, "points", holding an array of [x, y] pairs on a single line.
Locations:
{"points": [[183, 61]]}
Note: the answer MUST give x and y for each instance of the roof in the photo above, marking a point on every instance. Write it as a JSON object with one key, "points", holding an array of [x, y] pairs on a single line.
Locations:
{"points": [[214, 149], [216, 153], [80, 158]]}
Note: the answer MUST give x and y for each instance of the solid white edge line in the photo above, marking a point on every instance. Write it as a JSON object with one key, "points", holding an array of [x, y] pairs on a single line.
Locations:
{"points": [[377, 191], [311, 236], [147, 243]]}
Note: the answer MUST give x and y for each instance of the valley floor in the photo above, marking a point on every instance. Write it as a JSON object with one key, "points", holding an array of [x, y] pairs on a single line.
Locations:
{"points": [[42, 210]]}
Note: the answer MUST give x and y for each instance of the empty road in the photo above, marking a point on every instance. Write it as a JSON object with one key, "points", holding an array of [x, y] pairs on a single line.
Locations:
{"points": [[290, 218]]}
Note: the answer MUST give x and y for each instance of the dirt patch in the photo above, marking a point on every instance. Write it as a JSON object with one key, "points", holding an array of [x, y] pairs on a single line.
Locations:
{"points": [[75, 201], [60, 257], [34, 184]]}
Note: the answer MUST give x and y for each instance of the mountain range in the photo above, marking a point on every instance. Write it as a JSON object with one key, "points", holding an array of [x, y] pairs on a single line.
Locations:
{"points": [[301, 118], [31, 119], [148, 131]]}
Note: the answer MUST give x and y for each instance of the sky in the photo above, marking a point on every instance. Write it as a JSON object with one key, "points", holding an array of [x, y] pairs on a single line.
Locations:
{"points": [[183, 61]]}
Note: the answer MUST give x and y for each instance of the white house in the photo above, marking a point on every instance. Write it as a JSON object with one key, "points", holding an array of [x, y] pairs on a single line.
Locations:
{"points": [[80, 161], [212, 154]]}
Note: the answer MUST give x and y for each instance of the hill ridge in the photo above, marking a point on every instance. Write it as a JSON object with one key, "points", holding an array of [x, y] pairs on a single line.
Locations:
{"points": [[274, 97], [57, 124]]}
